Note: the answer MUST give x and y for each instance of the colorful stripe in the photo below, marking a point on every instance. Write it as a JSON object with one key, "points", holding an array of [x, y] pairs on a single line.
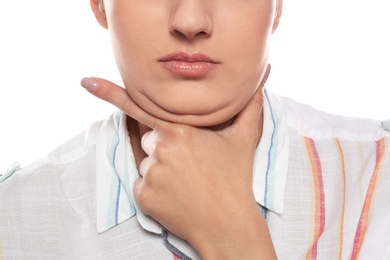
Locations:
{"points": [[364, 217], [361, 177], [319, 196], [341, 226]]}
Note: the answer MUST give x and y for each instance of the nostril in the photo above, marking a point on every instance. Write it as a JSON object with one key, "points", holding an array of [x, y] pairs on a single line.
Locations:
{"points": [[179, 34], [189, 36], [201, 34]]}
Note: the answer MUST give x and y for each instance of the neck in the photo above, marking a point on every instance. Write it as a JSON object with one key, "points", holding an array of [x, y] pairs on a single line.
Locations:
{"points": [[137, 130]]}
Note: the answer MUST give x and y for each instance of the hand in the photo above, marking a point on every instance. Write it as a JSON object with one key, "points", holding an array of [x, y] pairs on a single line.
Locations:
{"points": [[197, 183]]}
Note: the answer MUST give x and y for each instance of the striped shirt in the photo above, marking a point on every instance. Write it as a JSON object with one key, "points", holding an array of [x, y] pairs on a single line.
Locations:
{"points": [[321, 180]]}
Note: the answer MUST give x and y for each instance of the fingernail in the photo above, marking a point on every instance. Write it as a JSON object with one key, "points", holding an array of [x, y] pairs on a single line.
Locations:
{"points": [[89, 84]]}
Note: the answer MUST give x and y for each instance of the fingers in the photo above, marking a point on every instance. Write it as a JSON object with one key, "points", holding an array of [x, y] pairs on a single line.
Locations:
{"points": [[145, 165], [119, 97], [148, 142], [247, 121], [137, 190]]}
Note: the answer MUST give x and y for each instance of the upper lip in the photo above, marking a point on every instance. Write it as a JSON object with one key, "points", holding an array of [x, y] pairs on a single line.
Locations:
{"points": [[184, 56]]}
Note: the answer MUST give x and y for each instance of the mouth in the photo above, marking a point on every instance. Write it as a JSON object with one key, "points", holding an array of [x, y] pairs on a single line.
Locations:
{"points": [[189, 65]]}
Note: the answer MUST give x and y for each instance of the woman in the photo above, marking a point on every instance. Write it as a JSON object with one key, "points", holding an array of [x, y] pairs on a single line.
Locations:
{"points": [[218, 167], [187, 78]]}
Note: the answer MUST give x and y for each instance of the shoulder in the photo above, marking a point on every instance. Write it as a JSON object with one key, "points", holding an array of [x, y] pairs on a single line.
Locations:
{"points": [[312, 122], [76, 152], [57, 189]]}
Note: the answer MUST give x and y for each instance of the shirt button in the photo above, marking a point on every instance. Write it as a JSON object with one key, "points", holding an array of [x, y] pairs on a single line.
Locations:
{"points": [[386, 125]]}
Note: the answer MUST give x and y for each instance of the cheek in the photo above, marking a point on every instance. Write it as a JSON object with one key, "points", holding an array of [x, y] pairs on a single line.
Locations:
{"points": [[253, 39], [133, 34], [242, 46], [253, 27]]}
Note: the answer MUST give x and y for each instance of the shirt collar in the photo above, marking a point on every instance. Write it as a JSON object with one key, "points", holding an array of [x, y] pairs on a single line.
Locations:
{"points": [[116, 168], [272, 155], [115, 175]]}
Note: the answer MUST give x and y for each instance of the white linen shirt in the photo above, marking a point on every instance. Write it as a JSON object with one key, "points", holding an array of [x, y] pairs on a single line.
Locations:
{"points": [[321, 180]]}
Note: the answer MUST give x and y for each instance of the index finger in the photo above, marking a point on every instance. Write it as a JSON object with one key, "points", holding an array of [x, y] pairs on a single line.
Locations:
{"points": [[118, 96]]}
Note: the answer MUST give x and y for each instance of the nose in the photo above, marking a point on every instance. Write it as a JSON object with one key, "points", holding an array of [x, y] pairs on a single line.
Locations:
{"points": [[191, 19]]}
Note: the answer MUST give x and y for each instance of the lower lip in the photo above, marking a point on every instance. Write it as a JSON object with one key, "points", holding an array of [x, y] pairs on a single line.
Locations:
{"points": [[189, 69]]}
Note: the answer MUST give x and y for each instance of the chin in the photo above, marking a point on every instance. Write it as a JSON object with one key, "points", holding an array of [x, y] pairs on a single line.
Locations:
{"points": [[198, 112], [213, 120]]}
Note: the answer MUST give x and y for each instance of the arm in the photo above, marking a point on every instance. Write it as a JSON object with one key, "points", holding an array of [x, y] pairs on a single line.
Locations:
{"points": [[197, 182]]}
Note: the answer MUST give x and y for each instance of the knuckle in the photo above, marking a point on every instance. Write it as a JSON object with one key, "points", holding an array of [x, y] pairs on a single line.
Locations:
{"points": [[129, 106], [147, 193], [144, 198], [151, 177], [160, 149], [104, 90], [145, 166]]}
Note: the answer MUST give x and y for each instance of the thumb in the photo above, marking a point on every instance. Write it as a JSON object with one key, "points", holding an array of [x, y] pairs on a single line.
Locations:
{"points": [[248, 123], [118, 96]]}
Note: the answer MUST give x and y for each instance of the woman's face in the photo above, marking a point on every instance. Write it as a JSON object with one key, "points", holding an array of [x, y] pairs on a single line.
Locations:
{"points": [[196, 62]]}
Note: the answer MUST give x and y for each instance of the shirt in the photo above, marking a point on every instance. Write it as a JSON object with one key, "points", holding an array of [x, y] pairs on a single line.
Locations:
{"points": [[321, 181]]}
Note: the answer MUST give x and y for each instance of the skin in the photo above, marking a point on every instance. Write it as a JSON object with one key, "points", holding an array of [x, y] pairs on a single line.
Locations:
{"points": [[194, 27], [198, 182], [194, 139]]}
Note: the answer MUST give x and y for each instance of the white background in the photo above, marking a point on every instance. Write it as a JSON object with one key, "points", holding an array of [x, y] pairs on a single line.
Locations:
{"points": [[331, 54]]}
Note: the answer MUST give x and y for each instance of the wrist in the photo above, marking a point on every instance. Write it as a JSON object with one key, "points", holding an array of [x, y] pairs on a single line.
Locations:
{"points": [[244, 237]]}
